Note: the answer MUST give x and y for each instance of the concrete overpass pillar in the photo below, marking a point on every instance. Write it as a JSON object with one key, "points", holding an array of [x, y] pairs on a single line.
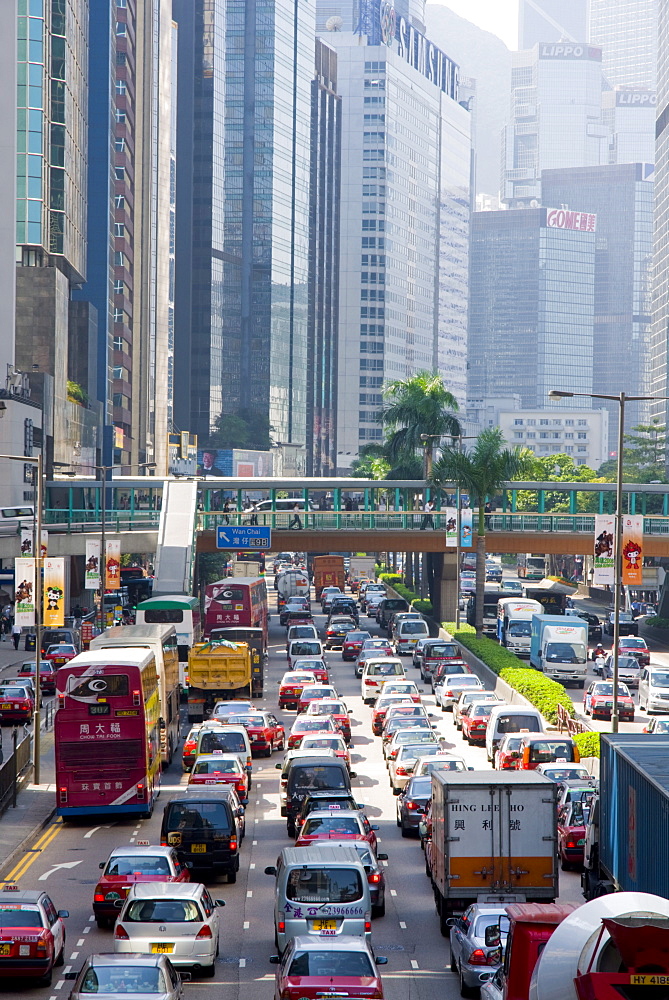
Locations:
{"points": [[449, 594]]}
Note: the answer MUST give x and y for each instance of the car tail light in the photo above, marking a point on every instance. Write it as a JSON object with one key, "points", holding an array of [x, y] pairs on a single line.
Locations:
{"points": [[204, 932], [571, 843], [368, 926], [240, 786], [478, 957], [233, 843], [401, 770], [374, 878], [136, 697], [281, 927], [40, 948], [120, 933], [62, 795], [99, 897], [412, 805], [141, 790]]}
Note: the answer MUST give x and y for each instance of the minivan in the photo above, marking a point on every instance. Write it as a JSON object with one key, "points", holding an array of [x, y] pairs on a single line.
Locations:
{"points": [[53, 636], [203, 825], [321, 891], [538, 749], [377, 671], [388, 606], [285, 765], [303, 647], [229, 739], [654, 689], [511, 719], [313, 774], [407, 635]]}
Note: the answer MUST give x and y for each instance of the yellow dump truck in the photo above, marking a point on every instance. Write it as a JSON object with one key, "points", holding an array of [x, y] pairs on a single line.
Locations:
{"points": [[217, 669]]}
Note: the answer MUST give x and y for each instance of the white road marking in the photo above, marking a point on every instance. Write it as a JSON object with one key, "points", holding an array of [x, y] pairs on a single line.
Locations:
{"points": [[132, 840], [403, 925], [80, 943], [393, 892], [242, 963], [249, 893], [251, 866], [246, 925], [68, 968], [59, 985], [254, 843], [63, 864], [414, 963], [257, 802], [386, 863], [74, 956], [106, 826]]}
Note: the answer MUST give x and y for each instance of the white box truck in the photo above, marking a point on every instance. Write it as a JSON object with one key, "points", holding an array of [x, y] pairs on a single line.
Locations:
{"points": [[559, 647], [514, 623]]}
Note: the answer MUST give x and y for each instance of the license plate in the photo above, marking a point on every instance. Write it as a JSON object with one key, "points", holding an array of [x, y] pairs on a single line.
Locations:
{"points": [[5, 949], [5, 705], [325, 925], [649, 980], [162, 949], [198, 848]]}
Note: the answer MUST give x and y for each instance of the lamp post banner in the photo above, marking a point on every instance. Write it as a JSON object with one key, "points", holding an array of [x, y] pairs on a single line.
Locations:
{"points": [[92, 570], [24, 608], [466, 527], [54, 592], [604, 562], [113, 564], [451, 515], [633, 550]]}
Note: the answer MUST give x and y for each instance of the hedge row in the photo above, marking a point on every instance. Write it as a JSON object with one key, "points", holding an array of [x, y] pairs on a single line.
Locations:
{"points": [[588, 744], [394, 580], [544, 694]]}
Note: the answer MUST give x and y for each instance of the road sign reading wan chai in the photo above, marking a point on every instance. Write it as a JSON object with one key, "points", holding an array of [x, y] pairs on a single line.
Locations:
{"points": [[243, 537]]}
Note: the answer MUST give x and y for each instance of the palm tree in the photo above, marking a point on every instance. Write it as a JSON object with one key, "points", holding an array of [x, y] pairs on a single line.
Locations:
{"points": [[481, 472], [418, 410]]}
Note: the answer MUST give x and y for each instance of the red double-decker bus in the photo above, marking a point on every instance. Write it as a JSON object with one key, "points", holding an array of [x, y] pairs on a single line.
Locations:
{"points": [[235, 602], [107, 734]]}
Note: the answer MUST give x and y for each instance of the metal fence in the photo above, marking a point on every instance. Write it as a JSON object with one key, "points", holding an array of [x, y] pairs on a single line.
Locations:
{"points": [[15, 769], [566, 721]]}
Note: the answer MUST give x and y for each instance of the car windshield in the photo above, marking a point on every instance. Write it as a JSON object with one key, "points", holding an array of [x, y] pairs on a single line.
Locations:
{"points": [[154, 911], [512, 744], [624, 617], [375, 644], [416, 736], [451, 669], [331, 964], [396, 688], [305, 665], [413, 628], [197, 816], [520, 628], [406, 712], [442, 765], [659, 680], [301, 648], [631, 643], [121, 979], [324, 885], [138, 865], [445, 649], [462, 681], [218, 766], [61, 648], [316, 777], [565, 652], [356, 636], [309, 694], [580, 813], [313, 725], [319, 825], [322, 743], [327, 708], [481, 711], [222, 741], [12, 692], [297, 678], [417, 750], [20, 915], [302, 631], [421, 787], [246, 720], [606, 690]]}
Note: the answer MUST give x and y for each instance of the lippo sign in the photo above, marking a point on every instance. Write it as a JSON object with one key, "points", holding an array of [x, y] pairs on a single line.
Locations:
{"points": [[562, 218]]}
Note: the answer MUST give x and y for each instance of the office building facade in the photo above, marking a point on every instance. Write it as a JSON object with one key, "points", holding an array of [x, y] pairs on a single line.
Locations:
{"points": [[324, 230], [626, 31], [659, 347], [531, 306], [629, 115], [555, 119], [583, 435], [405, 207], [551, 21]]}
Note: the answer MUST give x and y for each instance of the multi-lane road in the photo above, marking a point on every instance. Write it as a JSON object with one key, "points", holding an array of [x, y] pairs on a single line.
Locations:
{"points": [[67, 859]]}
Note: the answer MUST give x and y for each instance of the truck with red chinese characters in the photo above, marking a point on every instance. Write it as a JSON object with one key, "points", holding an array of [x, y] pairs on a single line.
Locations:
{"points": [[217, 669], [493, 840]]}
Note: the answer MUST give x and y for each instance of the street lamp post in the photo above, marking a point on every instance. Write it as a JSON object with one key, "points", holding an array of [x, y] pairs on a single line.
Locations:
{"points": [[621, 399], [37, 554]]}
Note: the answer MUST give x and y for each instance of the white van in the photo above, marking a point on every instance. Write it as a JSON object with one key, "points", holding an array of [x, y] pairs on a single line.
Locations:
{"points": [[376, 672], [299, 648], [229, 739], [505, 719], [654, 688], [320, 891], [408, 633]]}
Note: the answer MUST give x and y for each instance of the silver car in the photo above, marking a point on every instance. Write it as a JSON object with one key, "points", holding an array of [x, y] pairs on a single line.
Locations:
{"points": [[466, 698], [476, 934], [177, 919], [137, 977]]}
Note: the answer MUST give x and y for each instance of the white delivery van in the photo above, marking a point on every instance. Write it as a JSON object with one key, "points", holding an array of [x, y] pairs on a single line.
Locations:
{"points": [[506, 719]]}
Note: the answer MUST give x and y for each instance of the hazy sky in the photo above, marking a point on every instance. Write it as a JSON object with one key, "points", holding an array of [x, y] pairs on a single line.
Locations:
{"points": [[498, 16]]}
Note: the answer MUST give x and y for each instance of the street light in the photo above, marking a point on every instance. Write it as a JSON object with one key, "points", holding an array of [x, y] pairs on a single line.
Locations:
{"points": [[37, 553], [621, 398]]}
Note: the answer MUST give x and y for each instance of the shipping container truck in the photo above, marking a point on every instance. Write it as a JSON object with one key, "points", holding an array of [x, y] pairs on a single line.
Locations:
{"points": [[328, 572], [217, 669], [559, 647], [493, 839], [360, 570], [514, 623], [629, 818]]}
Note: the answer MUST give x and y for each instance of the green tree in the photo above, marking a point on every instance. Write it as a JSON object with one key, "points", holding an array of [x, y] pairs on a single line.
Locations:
{"points": [[648, 445], [372, 462], [481, 472], [244, 429], [420, 404], [559, 468]]}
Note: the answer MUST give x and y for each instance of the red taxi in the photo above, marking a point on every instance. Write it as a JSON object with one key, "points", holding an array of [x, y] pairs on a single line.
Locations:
{"points": [[327, 741], [16, 703], [47, 674], [290, 687], [336, 709], [508, 752], [189, 751], [474, 720], [60, 653], [634, 645], [304, 725], [598, 701], [265, 731], [140, 862], [313, 692], [353, 644], [339, 824], [572, 821], [218, 768], [32, 935], [315, 967], [315, 665], [381, 706]]}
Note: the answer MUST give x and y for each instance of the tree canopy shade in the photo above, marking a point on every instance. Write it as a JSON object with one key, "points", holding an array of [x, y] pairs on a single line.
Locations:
{"points": [[481, 472], [245, 429], [416, 406]]}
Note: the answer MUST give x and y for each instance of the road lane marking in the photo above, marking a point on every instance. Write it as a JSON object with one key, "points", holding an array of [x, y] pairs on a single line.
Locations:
{"points": [[393, 892], [45, 841], [254, 843], [242, 963], [403, 925], [80, 943], [91, 919], [86, 930], [74, 956], [59, 985], [68, 968], [58, 867], [246, 925], [249, 893], [252, 866], [414, 963]]}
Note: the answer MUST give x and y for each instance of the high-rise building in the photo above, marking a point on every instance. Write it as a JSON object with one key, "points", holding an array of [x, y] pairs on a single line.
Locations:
{"points": [[659, 347], [629, 115], [245, 74], [626, 30], [362, 16], [323, 318], [622, 198], [405, 201], [53, 332], [556, 117], [531, 305], [551, 21]]}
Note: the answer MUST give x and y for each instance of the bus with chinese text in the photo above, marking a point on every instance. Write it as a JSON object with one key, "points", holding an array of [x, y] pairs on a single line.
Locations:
{"points": [[181, 611], [162, 641], [235, 602], [107, 734]]}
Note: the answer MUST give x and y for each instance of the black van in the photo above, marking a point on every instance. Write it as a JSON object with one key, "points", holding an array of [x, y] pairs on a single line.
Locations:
{"points": [[53, 636], [390, 606], [313, 774], [203, 826]]}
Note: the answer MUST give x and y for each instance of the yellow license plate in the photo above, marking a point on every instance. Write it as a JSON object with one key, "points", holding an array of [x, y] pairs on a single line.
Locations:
{"points": [[5, 949], [649, 980], [198, 848], [5, 704], [325, 925], [162, 949]]}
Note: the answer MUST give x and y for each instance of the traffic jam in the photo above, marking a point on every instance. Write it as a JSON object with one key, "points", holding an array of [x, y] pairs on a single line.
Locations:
{"points": [[357, 697]]}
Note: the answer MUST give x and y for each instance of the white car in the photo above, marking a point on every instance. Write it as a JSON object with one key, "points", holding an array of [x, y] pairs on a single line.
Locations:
{"points": [[448, 690], [406, 688], [177, 919], [466, 698], [438, 762], [376, 672], [418, 651], [403, 765], [404, 737]]}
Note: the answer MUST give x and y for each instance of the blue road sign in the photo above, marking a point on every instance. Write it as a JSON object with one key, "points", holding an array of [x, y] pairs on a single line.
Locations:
{"points": [[230, 536]]}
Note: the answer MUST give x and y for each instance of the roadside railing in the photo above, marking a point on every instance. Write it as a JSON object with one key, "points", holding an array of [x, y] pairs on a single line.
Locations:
{"points": [[566, 722], [16, 769]]}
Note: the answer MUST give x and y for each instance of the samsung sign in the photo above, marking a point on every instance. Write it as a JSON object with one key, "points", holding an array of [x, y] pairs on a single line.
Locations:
{"points": [[420, 53], [562, 218]]}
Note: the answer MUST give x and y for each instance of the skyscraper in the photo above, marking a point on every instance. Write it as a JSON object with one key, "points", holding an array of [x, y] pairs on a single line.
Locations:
{"points": [[629, 115], [659, 347], [551, 21], [556, 117], [626, 30], [531, 304]]}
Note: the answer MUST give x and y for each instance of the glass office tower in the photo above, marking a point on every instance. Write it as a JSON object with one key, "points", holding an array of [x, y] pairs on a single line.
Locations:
{"points": [[659, 349], [551, 21], [626, 30]]}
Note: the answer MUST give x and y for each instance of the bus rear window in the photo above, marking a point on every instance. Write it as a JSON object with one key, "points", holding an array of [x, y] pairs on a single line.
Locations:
{"points": [[164, 616], [98, 686], [323, 885]]}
